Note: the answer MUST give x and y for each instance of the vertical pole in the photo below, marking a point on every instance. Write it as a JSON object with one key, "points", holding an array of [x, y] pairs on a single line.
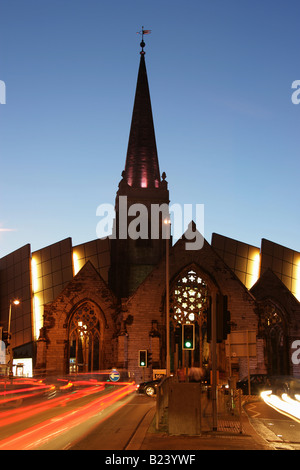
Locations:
{"points": [[158, 404], [229, 354], [248, 363], [76, 353], [9, 319], [167, 303], [92, 353], [10, 369], [240, 409], [200, 343], [186, 366], [214, 359]]}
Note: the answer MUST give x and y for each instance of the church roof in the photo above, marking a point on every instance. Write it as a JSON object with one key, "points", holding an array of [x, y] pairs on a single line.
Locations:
{"points": [[142, 168], [270, 286]]}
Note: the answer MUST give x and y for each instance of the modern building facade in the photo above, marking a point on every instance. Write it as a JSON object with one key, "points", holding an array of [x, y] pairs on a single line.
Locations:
{"points": [[94, 306]]}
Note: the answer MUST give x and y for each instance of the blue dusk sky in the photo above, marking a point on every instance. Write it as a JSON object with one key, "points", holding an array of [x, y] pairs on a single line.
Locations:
{"points": [[220, 75]]}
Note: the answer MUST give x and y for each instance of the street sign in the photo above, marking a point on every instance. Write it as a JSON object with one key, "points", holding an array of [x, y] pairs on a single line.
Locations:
{"points": [[241, 343], [114, 376]]}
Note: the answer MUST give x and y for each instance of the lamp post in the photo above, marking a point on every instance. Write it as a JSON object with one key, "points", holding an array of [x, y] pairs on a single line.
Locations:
{"points": [[10, 365], [168, 366]]}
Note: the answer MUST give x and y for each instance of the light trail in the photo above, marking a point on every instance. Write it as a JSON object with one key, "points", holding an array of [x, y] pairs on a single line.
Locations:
{"points": [[11, 416], [284, 405], [40, 434], [20, 394]]}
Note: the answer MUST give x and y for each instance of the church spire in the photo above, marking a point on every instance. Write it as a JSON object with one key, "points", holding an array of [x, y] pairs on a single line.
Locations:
{"points": [[142, 168], [132, 259]]}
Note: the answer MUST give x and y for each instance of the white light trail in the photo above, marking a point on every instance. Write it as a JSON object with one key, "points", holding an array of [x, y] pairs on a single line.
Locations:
{"points": [[285, 405]]}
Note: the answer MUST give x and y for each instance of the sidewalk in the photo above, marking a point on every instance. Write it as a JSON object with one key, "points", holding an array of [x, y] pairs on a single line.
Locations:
{"points": [[148, 438]]}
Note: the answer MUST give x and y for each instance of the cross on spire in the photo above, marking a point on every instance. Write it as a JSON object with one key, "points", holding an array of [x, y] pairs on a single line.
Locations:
{"points": [[142, 32], [142, 167]]}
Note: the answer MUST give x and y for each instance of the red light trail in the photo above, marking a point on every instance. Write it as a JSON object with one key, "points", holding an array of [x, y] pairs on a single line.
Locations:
{"points": [[41, 433]]}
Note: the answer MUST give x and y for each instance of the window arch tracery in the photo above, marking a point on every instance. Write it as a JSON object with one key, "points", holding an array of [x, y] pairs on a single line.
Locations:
{"points": [[189, 298], [84, 339], [188, 304], [272, 325], [270, 317]]}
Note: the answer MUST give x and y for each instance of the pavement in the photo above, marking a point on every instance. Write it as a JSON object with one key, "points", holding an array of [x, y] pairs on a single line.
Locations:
{"points": [[225, 438]]}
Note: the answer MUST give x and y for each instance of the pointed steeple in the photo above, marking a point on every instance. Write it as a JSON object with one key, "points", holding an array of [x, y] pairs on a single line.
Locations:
{"points": [[132, 259], [142, 168]]}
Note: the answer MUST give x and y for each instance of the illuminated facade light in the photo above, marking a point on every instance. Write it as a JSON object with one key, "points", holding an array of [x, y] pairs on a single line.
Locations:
{"points": [[38, 309], [253, 270], [76, 267], [144, 182], [297, 293], [34, 274], [256, 268]]}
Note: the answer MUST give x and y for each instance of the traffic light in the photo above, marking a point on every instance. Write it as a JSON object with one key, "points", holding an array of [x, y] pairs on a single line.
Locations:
{"points": [[188, 336], [223, 318], [208, 320], [220, 325], [226, 319], [149, 358], [142, 358]]}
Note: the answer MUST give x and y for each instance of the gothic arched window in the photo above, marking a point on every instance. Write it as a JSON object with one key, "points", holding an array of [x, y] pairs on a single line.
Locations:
{"points": [[189, 298], [84, 340], [273, 329]]}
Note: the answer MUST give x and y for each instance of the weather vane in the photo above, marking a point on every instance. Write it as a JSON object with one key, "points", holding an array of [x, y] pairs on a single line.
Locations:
{"points": [[142, 32]]}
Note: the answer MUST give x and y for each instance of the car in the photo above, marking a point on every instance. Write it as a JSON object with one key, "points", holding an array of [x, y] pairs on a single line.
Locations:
{"points": [[257, 384], [284, 384], [149, 388]]}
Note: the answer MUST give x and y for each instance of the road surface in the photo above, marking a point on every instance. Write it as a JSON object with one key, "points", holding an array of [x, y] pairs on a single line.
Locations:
{"points": [[57, 421], [279, 430], [116, 432]]}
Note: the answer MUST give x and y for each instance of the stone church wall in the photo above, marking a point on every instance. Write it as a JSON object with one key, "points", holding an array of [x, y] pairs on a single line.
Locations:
{"points": [[148, 303]]}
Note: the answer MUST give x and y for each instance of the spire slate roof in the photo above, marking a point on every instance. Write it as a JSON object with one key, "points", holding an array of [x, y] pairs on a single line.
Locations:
{"points": [[142, 168]]}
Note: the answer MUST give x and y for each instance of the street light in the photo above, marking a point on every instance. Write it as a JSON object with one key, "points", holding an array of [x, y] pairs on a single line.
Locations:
{"points": [[167, 222], [11, 302]]}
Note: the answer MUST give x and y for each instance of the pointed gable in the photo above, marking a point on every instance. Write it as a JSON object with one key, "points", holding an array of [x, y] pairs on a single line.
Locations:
{"points": [[269, 286], [87, 283]]}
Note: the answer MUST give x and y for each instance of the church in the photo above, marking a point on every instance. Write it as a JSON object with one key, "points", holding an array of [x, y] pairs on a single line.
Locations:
{"points": [[108, 302]]}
